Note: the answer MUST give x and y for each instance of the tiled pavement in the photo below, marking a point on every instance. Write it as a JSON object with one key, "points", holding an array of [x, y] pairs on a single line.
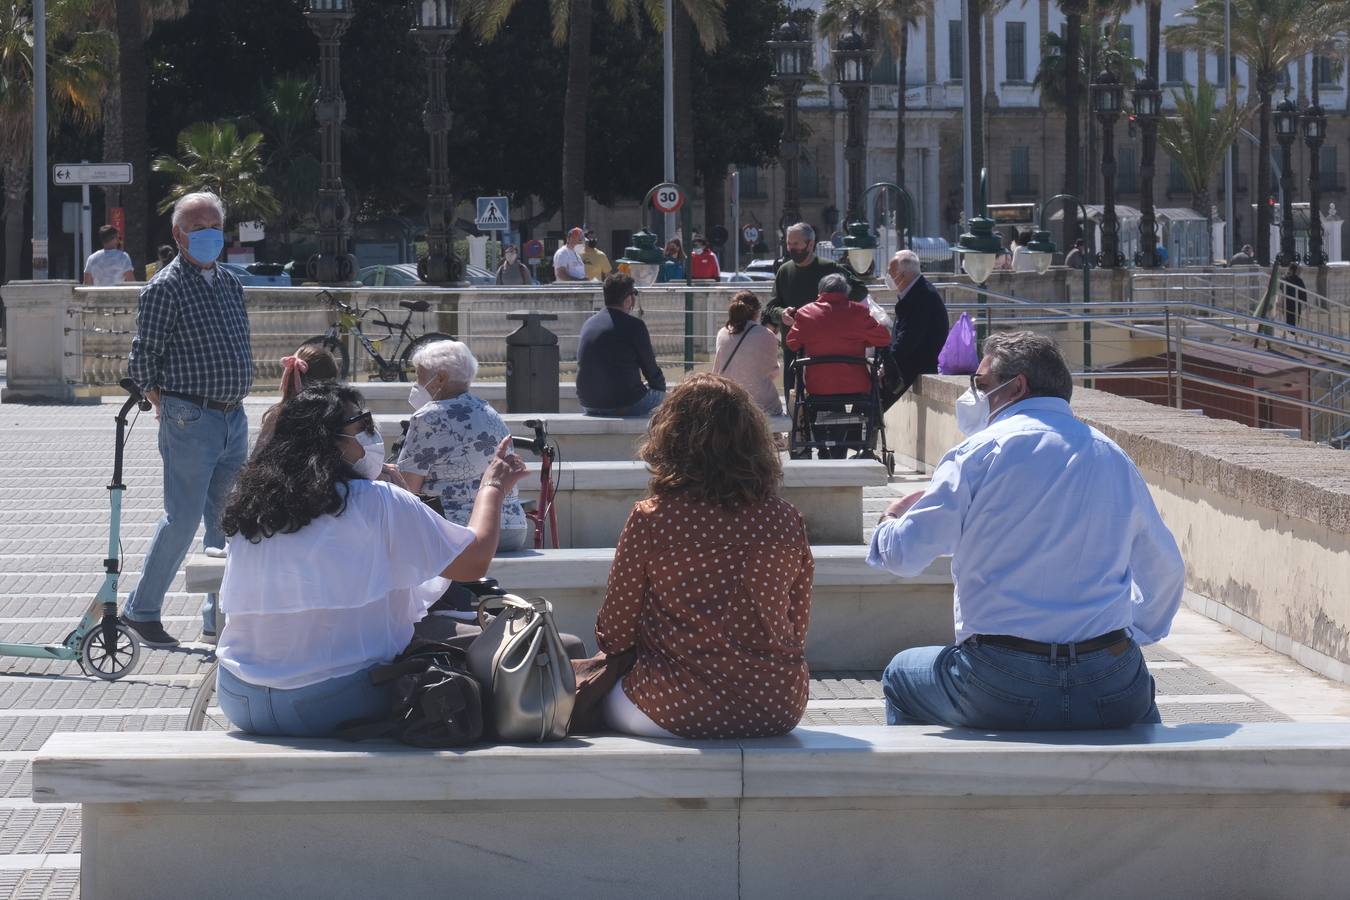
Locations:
{"points": [[53, 521]]}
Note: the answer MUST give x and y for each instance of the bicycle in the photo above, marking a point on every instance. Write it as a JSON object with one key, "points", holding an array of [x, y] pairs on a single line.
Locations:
{"points": [[398, 367]]}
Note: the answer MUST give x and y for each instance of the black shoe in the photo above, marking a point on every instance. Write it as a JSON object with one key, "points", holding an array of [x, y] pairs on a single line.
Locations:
{"points": [[150, 634]]}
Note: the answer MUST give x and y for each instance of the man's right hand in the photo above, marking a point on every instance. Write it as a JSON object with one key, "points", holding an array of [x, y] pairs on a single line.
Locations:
{"points": [[153, 396]]}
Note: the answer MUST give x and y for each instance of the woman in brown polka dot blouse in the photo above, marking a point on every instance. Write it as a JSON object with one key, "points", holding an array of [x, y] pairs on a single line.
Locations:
{"points": [[711, 581]]}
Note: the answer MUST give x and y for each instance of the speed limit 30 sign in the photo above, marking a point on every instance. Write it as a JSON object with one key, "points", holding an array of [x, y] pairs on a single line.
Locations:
{"points": [[668, 198]]}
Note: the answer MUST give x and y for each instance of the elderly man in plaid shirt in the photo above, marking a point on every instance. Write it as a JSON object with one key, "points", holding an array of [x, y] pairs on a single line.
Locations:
{"points": [[192, 357]]}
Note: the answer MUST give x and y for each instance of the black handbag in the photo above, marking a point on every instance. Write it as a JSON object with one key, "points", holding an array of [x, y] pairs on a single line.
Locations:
{"points": [[436, 702]]}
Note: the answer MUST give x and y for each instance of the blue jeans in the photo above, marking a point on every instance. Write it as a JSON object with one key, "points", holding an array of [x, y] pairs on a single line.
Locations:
{"points": [[311, 711], [203, 450], [649, 402], [985, 686]]}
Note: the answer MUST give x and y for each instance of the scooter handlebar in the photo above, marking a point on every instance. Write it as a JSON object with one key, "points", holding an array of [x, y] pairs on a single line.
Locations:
{"points": [[137, 396]]}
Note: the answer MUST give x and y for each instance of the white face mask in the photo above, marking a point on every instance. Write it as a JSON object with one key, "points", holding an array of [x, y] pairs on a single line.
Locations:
{"points": [[972, 410], [418, 396], [890, 283], [371, 462]]}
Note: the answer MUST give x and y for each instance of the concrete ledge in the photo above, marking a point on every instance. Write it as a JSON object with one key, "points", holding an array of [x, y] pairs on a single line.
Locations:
{"points": [[1263, 521], [1225, 810], [860, 617], [392, 397]]}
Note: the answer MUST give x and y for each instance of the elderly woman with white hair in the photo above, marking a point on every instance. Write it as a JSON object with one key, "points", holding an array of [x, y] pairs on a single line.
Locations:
{"points": [[452, 438]]}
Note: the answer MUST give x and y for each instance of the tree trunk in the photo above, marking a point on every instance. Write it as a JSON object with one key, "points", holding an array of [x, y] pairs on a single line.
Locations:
{"points": [[901, 67], [683, 64], [16, 192], [975, 49], [574, 114], [1073, 95], [133, 87], [715, 203], [1264, 86]]}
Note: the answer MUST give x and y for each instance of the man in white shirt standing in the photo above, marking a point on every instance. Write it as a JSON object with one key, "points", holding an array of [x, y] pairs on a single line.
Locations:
{"points": [[567, 262], [1062, 565], [109, 265]]}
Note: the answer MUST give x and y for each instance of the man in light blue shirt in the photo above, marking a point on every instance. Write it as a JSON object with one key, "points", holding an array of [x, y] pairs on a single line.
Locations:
{"points": [[1062, 565]]}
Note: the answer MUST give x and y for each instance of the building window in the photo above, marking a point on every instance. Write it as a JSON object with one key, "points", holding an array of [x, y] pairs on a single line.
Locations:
{"points": [[1220, 70], [1015, 40], [1176, 67], [1324, 70], [809, 175], [956, 46], [1021, 170], [1125, 34], [1127, 170], [1285, 81], [1330, 178], [1176, 178], [751, 185]]}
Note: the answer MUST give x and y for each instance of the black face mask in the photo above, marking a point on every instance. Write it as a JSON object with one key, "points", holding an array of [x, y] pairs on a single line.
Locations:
{"points": [[799, 256]]}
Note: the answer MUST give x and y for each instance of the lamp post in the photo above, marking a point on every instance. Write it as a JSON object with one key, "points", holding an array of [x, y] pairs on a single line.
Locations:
{"points": [[853, 71], [435, 27], [1106, 99], [791, 67], [1314, 133], [1147, 106], [1043, 248], [861, 241], [1286, 130], [328, 19]]}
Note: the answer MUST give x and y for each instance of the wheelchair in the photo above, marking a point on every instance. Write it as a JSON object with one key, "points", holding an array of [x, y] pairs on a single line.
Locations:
{"points": [[839, 425]]}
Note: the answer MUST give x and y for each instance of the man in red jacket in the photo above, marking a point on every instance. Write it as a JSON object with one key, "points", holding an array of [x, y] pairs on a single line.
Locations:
{"points": [[835, 326]]}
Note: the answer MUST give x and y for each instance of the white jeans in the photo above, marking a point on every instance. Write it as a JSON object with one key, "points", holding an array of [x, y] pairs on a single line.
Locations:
{"points": [[623, 715]]}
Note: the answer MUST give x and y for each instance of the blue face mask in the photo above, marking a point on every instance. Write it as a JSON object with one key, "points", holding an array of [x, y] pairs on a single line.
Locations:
{"points": [[205, 245]]}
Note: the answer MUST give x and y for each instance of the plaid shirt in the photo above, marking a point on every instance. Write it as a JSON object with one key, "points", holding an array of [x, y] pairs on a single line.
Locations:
{"points": [[192, 335]]}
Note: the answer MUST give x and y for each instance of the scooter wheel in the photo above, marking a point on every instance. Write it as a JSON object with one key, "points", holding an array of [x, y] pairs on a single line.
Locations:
{"points": [[97, 660]]}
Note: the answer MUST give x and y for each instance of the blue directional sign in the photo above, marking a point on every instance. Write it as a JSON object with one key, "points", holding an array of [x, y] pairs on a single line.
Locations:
{"points": [[494, 214]]}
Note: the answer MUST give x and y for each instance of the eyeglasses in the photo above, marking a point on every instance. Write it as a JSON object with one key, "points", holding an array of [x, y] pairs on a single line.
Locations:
{"points": [[365, 418]]}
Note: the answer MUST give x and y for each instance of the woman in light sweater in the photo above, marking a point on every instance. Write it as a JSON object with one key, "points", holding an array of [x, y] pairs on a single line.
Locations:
{"points": [[747, 353]]}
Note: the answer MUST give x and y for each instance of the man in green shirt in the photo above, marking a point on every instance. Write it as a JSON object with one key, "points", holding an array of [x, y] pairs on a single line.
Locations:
{"points": [[797, 283]]}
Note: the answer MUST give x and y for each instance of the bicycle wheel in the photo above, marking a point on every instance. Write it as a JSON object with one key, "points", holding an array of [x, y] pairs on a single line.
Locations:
{"points": [[201, 715], [405, 366], [339, 350]]}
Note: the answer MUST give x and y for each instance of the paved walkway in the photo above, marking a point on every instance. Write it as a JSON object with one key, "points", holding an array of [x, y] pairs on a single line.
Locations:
{"points": [[53, 535]]}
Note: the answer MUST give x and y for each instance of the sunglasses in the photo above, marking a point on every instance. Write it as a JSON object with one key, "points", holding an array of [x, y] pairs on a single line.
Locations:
{"points": [[365, 418]]}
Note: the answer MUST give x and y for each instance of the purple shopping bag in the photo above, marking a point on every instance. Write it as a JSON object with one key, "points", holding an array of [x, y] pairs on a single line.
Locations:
{"points": [[958, 356]]}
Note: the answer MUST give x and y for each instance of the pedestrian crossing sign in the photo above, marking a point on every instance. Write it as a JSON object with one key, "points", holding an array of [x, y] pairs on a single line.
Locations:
{"points": [[494, 214]]}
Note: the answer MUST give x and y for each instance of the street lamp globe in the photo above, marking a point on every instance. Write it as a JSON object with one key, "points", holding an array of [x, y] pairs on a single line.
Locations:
{"points": [[439, 15], [1041, 249], [329, 6], [791, 52], [979, 248], [1147, 99], [1107, 94], [1314, 125], [1286, 121], [642, 260], [861, 247], [852, 60]]}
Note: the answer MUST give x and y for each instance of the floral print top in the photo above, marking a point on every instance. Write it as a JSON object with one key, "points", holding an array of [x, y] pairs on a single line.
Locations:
{"points": [[450, 443]]}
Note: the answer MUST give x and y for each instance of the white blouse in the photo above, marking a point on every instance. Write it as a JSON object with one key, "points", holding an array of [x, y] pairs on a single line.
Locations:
{"points": [[340, 595]]}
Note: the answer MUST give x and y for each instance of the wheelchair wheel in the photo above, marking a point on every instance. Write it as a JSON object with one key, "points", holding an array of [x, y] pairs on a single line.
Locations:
{"points": [[888, 458], [201, 703], [109, 664]]}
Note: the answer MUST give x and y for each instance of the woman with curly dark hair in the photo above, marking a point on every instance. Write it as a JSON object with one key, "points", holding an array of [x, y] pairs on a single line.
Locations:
{"points": [[711, 583], [329, 570]]}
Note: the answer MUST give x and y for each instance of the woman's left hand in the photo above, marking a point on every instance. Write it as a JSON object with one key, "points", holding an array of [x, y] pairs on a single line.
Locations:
{"points": [[390, 473]]}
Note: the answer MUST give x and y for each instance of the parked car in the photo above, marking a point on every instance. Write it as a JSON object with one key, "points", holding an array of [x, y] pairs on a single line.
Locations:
{"points": [[258, 274], [405, 275]]}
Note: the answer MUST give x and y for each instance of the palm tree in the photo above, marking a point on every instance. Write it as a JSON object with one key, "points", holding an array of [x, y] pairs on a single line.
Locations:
{"points": [[1199, 135], [1269, 35], [77, 76], [889, 20], [214, 157], [292, 167], [124, 133], [571, 21]]}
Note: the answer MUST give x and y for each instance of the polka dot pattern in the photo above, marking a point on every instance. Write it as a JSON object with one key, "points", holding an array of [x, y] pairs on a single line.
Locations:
{"points": [[717, 604]]}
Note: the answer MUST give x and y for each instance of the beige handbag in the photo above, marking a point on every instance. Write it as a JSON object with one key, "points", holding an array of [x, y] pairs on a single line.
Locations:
{"points": [[528, 684]]}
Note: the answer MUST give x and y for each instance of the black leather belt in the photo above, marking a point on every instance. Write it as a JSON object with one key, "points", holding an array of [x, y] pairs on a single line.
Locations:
{"points": [[1091, 645], [217, 405]]}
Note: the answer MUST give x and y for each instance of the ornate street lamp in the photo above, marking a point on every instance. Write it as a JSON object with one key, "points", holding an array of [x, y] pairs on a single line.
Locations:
{"points": [[1314, 133], [791, 48], [1147, 107], [979, 247], [642, 260], [435, 28], [1106, 101], [853, 71], [1286, 130], [1041, 249], [333, 264]]}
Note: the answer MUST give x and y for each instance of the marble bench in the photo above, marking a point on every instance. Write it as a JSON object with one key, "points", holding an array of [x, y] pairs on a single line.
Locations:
{"points": [[1205, 811], [860, 617], [579, 438], [392, 397]]}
